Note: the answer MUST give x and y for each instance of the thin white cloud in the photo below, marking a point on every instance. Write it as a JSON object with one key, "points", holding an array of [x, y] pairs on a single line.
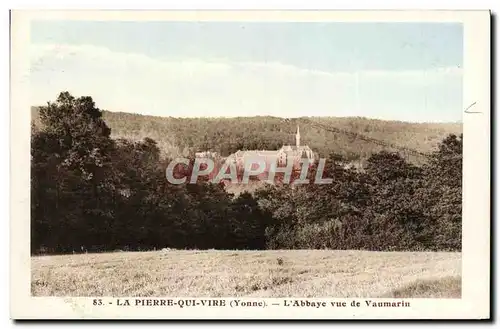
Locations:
{"points": [[189, 88]]}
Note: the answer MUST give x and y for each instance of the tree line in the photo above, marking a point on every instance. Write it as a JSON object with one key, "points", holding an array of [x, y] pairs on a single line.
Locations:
{"points": [[92, 192]]}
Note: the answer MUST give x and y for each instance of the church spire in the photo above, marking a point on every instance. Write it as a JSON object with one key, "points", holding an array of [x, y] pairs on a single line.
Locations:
{"points": [[297, 137]]}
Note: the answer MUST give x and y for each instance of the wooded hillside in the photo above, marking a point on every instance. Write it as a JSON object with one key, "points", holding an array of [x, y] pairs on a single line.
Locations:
{"points": [[184, 136]]}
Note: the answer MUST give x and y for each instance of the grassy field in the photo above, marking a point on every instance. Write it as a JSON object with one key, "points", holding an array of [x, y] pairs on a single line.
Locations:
{"points": [[301, 273]]}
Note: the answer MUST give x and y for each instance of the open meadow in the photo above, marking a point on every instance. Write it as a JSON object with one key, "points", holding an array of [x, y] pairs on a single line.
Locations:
{"points": [[273, 273]]}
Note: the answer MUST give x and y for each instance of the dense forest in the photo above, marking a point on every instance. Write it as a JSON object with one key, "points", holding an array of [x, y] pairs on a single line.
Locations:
{"points": [[97, 189]]}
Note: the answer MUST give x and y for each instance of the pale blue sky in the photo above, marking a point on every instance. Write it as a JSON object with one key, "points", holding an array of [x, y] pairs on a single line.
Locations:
{"points": [[401, 71]]}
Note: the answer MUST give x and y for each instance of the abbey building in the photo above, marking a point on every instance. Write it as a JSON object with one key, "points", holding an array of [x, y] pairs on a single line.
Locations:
{"points": [[284, 156]]}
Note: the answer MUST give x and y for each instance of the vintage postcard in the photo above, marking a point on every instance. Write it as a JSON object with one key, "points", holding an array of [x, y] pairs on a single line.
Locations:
{"points": [[250, 164]]}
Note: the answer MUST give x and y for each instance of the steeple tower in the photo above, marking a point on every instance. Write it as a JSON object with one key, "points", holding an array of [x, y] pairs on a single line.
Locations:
{"points": [[297, 137]]}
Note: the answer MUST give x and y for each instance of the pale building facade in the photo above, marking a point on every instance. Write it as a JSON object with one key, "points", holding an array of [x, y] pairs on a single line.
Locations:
{"points": [[282, 157]]}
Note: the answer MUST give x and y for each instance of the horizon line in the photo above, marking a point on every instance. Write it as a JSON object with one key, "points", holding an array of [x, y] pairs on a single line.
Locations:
{"points": [[271, 116]]}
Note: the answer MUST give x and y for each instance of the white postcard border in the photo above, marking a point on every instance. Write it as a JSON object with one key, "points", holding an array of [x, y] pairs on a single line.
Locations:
{"points": [[476, 179]]}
